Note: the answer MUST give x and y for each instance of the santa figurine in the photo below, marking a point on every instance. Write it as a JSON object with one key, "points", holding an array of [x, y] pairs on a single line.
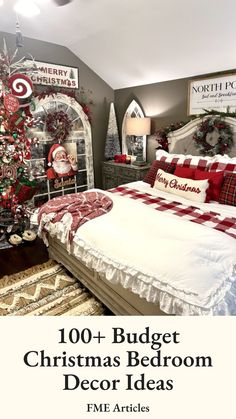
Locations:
{"points": [[61, 164]]}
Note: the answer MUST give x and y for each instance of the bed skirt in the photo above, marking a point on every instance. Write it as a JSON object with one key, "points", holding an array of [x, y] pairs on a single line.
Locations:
{"points": [[119, 300]]}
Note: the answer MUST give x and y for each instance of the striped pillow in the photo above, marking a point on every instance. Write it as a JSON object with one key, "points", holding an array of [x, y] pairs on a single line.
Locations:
{"points": [[228, 190]]}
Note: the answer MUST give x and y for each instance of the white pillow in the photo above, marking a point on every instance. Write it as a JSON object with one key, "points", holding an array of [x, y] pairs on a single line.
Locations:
{"points": [[194, 190]]}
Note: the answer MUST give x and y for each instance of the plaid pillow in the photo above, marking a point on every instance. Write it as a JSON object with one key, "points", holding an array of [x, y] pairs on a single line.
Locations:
{"points": [[157, 164], [183, 160], [228, 190], [192, 162]]}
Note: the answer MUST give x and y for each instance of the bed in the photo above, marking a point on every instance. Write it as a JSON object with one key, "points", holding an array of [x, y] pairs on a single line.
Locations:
{"points": [[160, 248]]}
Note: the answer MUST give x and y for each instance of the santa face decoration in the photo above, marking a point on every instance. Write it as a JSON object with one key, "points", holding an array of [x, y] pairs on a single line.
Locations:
{"points": [[61, 164]]}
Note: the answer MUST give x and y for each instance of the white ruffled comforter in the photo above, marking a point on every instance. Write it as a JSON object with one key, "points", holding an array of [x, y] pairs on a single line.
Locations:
{"points": [[189, 269]]}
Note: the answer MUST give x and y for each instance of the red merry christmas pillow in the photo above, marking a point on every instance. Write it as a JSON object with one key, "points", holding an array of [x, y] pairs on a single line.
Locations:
{"points": [[215, 183]]}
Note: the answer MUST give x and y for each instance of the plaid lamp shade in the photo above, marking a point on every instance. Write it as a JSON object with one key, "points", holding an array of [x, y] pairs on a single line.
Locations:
{"points": [[228, 190]]}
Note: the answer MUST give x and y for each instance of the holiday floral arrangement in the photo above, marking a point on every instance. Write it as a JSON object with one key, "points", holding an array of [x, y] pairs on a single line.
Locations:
{"points": [[81, 96], [162, 134]]}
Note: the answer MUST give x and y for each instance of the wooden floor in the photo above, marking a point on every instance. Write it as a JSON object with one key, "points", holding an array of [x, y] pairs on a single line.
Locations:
{"points": [[19, 258]]}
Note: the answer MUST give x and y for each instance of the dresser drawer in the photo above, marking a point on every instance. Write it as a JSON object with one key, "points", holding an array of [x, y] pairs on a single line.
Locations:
{"points": [[123, 179], [115, 174], [126, 172], [108, 169], [110, 182]]}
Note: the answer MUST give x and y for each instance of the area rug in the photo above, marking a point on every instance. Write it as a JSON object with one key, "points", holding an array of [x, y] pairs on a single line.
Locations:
{"points": [[46, 290]]}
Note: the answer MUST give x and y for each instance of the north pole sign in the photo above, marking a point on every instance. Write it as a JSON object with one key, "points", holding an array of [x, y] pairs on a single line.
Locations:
{"points": [[213, 93], [55, 75]]}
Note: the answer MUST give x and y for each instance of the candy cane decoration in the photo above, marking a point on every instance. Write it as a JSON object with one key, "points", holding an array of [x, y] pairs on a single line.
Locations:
{"points": [[21, 86]]}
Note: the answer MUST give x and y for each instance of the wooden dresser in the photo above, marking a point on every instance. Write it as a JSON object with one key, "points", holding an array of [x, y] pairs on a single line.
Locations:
{"points": [[115, 174]]}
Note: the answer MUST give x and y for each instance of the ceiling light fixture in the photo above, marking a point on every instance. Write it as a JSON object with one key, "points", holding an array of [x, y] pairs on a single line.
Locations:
{"points": [[26, 8], [61, 2]]}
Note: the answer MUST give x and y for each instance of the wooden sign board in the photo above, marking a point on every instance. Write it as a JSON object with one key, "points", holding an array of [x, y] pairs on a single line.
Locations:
{"points": [[218, 93], [55, 75]]}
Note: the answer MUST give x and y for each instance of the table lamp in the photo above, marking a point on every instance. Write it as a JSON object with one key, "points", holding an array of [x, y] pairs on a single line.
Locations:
{"points": [[137, 128]]}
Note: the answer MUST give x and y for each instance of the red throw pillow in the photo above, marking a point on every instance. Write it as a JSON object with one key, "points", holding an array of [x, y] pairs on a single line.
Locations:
{"points": [[228, 190], [157, 164], [215, 183], [185, 172]]}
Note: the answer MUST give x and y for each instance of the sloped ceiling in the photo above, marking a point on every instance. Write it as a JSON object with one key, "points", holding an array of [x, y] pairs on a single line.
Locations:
{"points": [[135, 42]]}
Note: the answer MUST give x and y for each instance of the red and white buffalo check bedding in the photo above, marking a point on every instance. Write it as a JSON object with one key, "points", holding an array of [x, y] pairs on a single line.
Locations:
{"points": [[194, 214], [187, 271]]}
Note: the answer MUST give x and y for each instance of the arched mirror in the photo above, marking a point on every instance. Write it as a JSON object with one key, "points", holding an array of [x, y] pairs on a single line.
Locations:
{"points": [[129, 147], [77, 142]]}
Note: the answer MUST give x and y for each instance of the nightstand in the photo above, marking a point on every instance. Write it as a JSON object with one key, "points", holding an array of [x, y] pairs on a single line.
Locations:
{"points": [[115, 174]]}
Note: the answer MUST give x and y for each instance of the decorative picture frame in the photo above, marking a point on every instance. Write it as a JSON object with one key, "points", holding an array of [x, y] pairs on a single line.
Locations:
{"points": [[212, 93]]}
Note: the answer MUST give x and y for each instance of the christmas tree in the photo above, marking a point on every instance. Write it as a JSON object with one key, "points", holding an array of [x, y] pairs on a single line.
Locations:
{"points": [[17, 184], [112, 145]]}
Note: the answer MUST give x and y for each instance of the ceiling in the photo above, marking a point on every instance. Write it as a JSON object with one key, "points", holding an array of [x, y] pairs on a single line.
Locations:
{"points": [[135, 42]]}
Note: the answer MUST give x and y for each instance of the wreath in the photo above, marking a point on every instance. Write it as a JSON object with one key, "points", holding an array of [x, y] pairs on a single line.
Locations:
{"points": [[58, 125], [224, 142]]}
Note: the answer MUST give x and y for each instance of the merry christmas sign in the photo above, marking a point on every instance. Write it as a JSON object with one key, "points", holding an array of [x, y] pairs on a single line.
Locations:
{"points": [[55, 75]]}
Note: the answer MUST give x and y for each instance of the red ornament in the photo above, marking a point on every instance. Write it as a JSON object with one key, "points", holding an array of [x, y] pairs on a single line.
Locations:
{"points": [[9, 171], [120, 158], [27, 155], [11, 103], [21, 86]]}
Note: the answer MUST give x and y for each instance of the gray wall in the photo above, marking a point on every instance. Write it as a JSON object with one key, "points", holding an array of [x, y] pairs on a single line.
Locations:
{"points": [[102, 94], [165, 103]]}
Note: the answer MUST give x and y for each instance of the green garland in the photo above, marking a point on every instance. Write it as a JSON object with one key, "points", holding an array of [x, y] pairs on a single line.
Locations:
{"points": [[218, 113]]}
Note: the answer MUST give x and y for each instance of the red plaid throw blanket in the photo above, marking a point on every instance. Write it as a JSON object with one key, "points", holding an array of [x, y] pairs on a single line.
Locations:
{"points": [[83, 206], [196, 215]]}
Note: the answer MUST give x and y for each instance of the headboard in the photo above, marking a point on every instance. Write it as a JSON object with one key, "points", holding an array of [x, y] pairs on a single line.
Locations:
{"points": [[181, 141]]}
